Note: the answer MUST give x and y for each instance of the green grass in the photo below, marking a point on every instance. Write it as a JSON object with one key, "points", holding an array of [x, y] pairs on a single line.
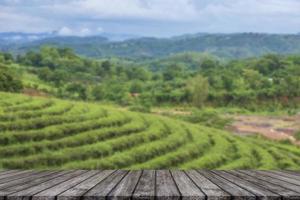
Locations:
{"points": [[47, 133]]}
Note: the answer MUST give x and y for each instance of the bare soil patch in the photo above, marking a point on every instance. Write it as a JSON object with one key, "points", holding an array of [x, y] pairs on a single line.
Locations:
{"points": [[275, 128]]}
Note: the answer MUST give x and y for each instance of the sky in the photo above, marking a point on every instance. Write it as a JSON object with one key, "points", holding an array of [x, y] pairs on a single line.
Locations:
{"points": [[161, 18]]}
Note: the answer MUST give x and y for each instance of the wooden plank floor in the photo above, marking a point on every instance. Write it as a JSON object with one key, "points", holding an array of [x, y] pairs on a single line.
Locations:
{"points": [[148, 184]]}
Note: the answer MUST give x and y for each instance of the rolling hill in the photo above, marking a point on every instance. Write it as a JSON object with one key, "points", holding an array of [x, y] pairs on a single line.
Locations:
{"points": [[229, 46], [55, 134]]}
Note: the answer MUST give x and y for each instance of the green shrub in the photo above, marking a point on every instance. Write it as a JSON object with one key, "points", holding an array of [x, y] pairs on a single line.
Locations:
{"points": [[208, 117], [140, 108]]}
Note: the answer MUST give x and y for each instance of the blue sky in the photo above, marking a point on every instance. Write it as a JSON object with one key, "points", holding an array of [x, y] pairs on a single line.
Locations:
{"points": [[149, 17]]}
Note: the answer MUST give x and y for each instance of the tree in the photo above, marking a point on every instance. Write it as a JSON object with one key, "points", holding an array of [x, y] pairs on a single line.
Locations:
{"points": [[136, 87], [78, 90], [198, 90], [254, 79], [173, 71], [8, 81], [106, 66], [98, 92]]}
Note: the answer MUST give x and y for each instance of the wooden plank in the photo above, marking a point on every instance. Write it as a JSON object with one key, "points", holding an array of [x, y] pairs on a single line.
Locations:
{"points": [[15, 174], [145, 188], [16, 177], [28, 178], [126, 187], [211, 190], [79, 190], [7, 172], [100, 191], [187, 188], [26, 191], [259, 192], [149, 184], [234, 190], [13, 189], [280, 177], [52, 192], [267, 183], [288, 175], [165, 186], [296, 173]]}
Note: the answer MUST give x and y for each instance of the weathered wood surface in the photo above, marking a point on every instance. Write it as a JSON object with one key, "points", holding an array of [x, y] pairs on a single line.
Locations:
{"points": [[149, 184]]}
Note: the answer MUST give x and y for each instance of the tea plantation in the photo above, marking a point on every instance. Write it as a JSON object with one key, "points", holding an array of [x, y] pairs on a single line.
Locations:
{"points": [[46, 133]]}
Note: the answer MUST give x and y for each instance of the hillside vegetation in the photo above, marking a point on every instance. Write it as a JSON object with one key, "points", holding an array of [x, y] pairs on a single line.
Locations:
{"points": [[229, 46], [269, 82], [50, 133]]}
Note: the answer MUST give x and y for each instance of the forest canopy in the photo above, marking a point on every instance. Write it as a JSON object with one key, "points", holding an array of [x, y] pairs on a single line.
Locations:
{"points": [[190, 78]]}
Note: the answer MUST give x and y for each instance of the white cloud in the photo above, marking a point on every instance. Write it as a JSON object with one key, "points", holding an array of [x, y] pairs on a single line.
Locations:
{"points": [[83, 17], [100, 29], [13, 20], [66, 31], [85, 32], [129, 9]]}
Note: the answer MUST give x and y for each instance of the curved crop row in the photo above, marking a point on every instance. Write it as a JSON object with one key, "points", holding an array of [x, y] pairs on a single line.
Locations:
{"points": [[55, 134]]}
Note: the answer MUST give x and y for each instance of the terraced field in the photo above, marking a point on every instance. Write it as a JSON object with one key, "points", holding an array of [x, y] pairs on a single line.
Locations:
{"points": [[54, 134]]}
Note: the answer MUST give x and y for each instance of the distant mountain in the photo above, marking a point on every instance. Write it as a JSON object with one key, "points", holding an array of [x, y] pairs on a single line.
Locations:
{"points": [[14, 37], [20, 37], [239, 45]]}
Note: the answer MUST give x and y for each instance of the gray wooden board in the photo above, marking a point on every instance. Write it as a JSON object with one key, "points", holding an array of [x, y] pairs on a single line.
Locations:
{"points": [[211, 190], [126, 186], [16, 176], [278, 180], [145, 188], [234, 190], [149, 184], [259, 192], [296, 173], [280, 177], [188, 189], [26, 191], [165, 186], [25, 178], [6, 191], [52, 192], [7, 171], [292, 176], [100, 191], [10, 176], [268, 184], [79, 190]]}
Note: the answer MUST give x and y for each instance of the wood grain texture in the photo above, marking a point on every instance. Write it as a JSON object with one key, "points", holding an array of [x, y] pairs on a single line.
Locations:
{"points": [[188, 189], [145, 188], [100, 191], [296, 173], [234, 190], [79, 190], [14, 175], [292, 180], [149, 185], [5, 192], [269, 184], [211, 190], [7, 172], [258, 191], [25, 178], [52, 192], [126, 187], [25, 192], [165, 186]]}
